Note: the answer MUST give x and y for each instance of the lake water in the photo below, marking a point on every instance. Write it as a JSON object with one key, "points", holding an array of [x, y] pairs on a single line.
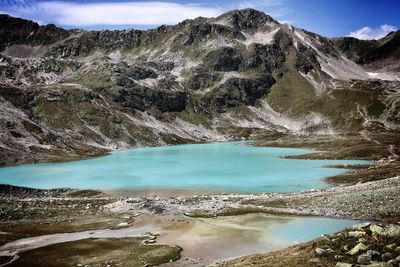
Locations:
{"points": [[209, 239], [231, 166]]}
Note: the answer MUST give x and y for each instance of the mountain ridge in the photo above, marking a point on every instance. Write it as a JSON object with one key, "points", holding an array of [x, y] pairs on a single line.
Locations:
{"points": [[70, 92]]}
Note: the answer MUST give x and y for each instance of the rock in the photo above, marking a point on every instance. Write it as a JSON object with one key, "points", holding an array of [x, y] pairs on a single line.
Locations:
{"points": [[364, 259], [139, 73], [356, 233], [342, 264], [377, 264], [376, 229], [237, 91], [338, 257], [362, 240], [360, 226], [387, 256], [203, 80], [369, 257], [392, 263], [223, 59], [321, 251], [143, 98], [314, 260], [391, 230], [246, 19], [391, 246], [306, 60], [357, 249]]}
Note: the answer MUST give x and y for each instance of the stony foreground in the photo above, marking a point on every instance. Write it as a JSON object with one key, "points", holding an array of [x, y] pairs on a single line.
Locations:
{"points": [[363, 245], [28, 212]]}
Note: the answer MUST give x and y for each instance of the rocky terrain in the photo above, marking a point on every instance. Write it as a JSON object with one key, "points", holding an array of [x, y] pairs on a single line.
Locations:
{"points": [[68, 94], [363, 245]]}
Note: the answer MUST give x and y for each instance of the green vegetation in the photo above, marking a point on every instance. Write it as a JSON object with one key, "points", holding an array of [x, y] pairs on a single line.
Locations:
{"points": [[100, 252]]}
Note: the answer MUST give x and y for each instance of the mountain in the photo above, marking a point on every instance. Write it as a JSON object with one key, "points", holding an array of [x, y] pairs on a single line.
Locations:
{"points": [[75, 93]]}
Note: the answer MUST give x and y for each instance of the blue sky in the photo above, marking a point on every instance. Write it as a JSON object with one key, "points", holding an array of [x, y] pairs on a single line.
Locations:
{"points": [[364, 19]]}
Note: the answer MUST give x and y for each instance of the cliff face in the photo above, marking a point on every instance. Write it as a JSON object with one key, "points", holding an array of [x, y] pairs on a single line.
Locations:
{"points": [[67, 93]]}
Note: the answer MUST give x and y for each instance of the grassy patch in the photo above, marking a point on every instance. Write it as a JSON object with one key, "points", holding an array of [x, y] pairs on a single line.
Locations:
{"points": [[99, 252], [374, 173]]}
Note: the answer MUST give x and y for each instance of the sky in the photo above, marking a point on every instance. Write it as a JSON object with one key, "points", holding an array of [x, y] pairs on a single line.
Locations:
{"points": [[363, 19]]}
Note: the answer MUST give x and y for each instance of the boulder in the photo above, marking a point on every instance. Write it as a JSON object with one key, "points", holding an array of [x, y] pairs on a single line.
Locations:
{"points": [[321, 252], [391, 230], [392, 263], [364, 259], [356, 233], [360, 247], [387, 256]]}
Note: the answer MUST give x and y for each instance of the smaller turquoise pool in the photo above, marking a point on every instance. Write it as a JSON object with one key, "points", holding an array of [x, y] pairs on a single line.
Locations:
{"points": [[231, 166]]}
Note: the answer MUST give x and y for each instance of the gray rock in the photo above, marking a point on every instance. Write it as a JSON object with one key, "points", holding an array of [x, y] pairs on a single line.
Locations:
{"points": [[374, 254], [338, 257], [391, 230], [376, 229], [360, 226], [342, 264], [143, 98], [387, 256], [314, 260], [356, 233], [358, 249], [364, 259], [392, 263], [321, 251], [377, 264]]}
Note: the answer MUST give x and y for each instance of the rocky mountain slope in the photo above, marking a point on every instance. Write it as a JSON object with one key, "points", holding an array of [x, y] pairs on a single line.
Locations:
{"points": [[71, 93]]}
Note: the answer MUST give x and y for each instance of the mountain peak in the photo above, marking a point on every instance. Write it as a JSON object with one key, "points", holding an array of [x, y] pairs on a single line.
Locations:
{"points": [[246, 19]]}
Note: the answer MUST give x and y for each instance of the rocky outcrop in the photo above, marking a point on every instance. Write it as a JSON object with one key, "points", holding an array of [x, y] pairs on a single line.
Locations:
{"points": [[223, 59], [235, 92], [82, 43], [19, 31], [142, 98]]}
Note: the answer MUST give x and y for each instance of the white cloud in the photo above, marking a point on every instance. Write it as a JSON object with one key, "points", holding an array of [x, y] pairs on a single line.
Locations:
{"points": [[141, 13], [367, 33], [112, 13]]}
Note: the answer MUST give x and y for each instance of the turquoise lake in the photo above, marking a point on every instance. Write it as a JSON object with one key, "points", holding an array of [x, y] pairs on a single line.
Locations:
{"points": [[231, 166]]}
